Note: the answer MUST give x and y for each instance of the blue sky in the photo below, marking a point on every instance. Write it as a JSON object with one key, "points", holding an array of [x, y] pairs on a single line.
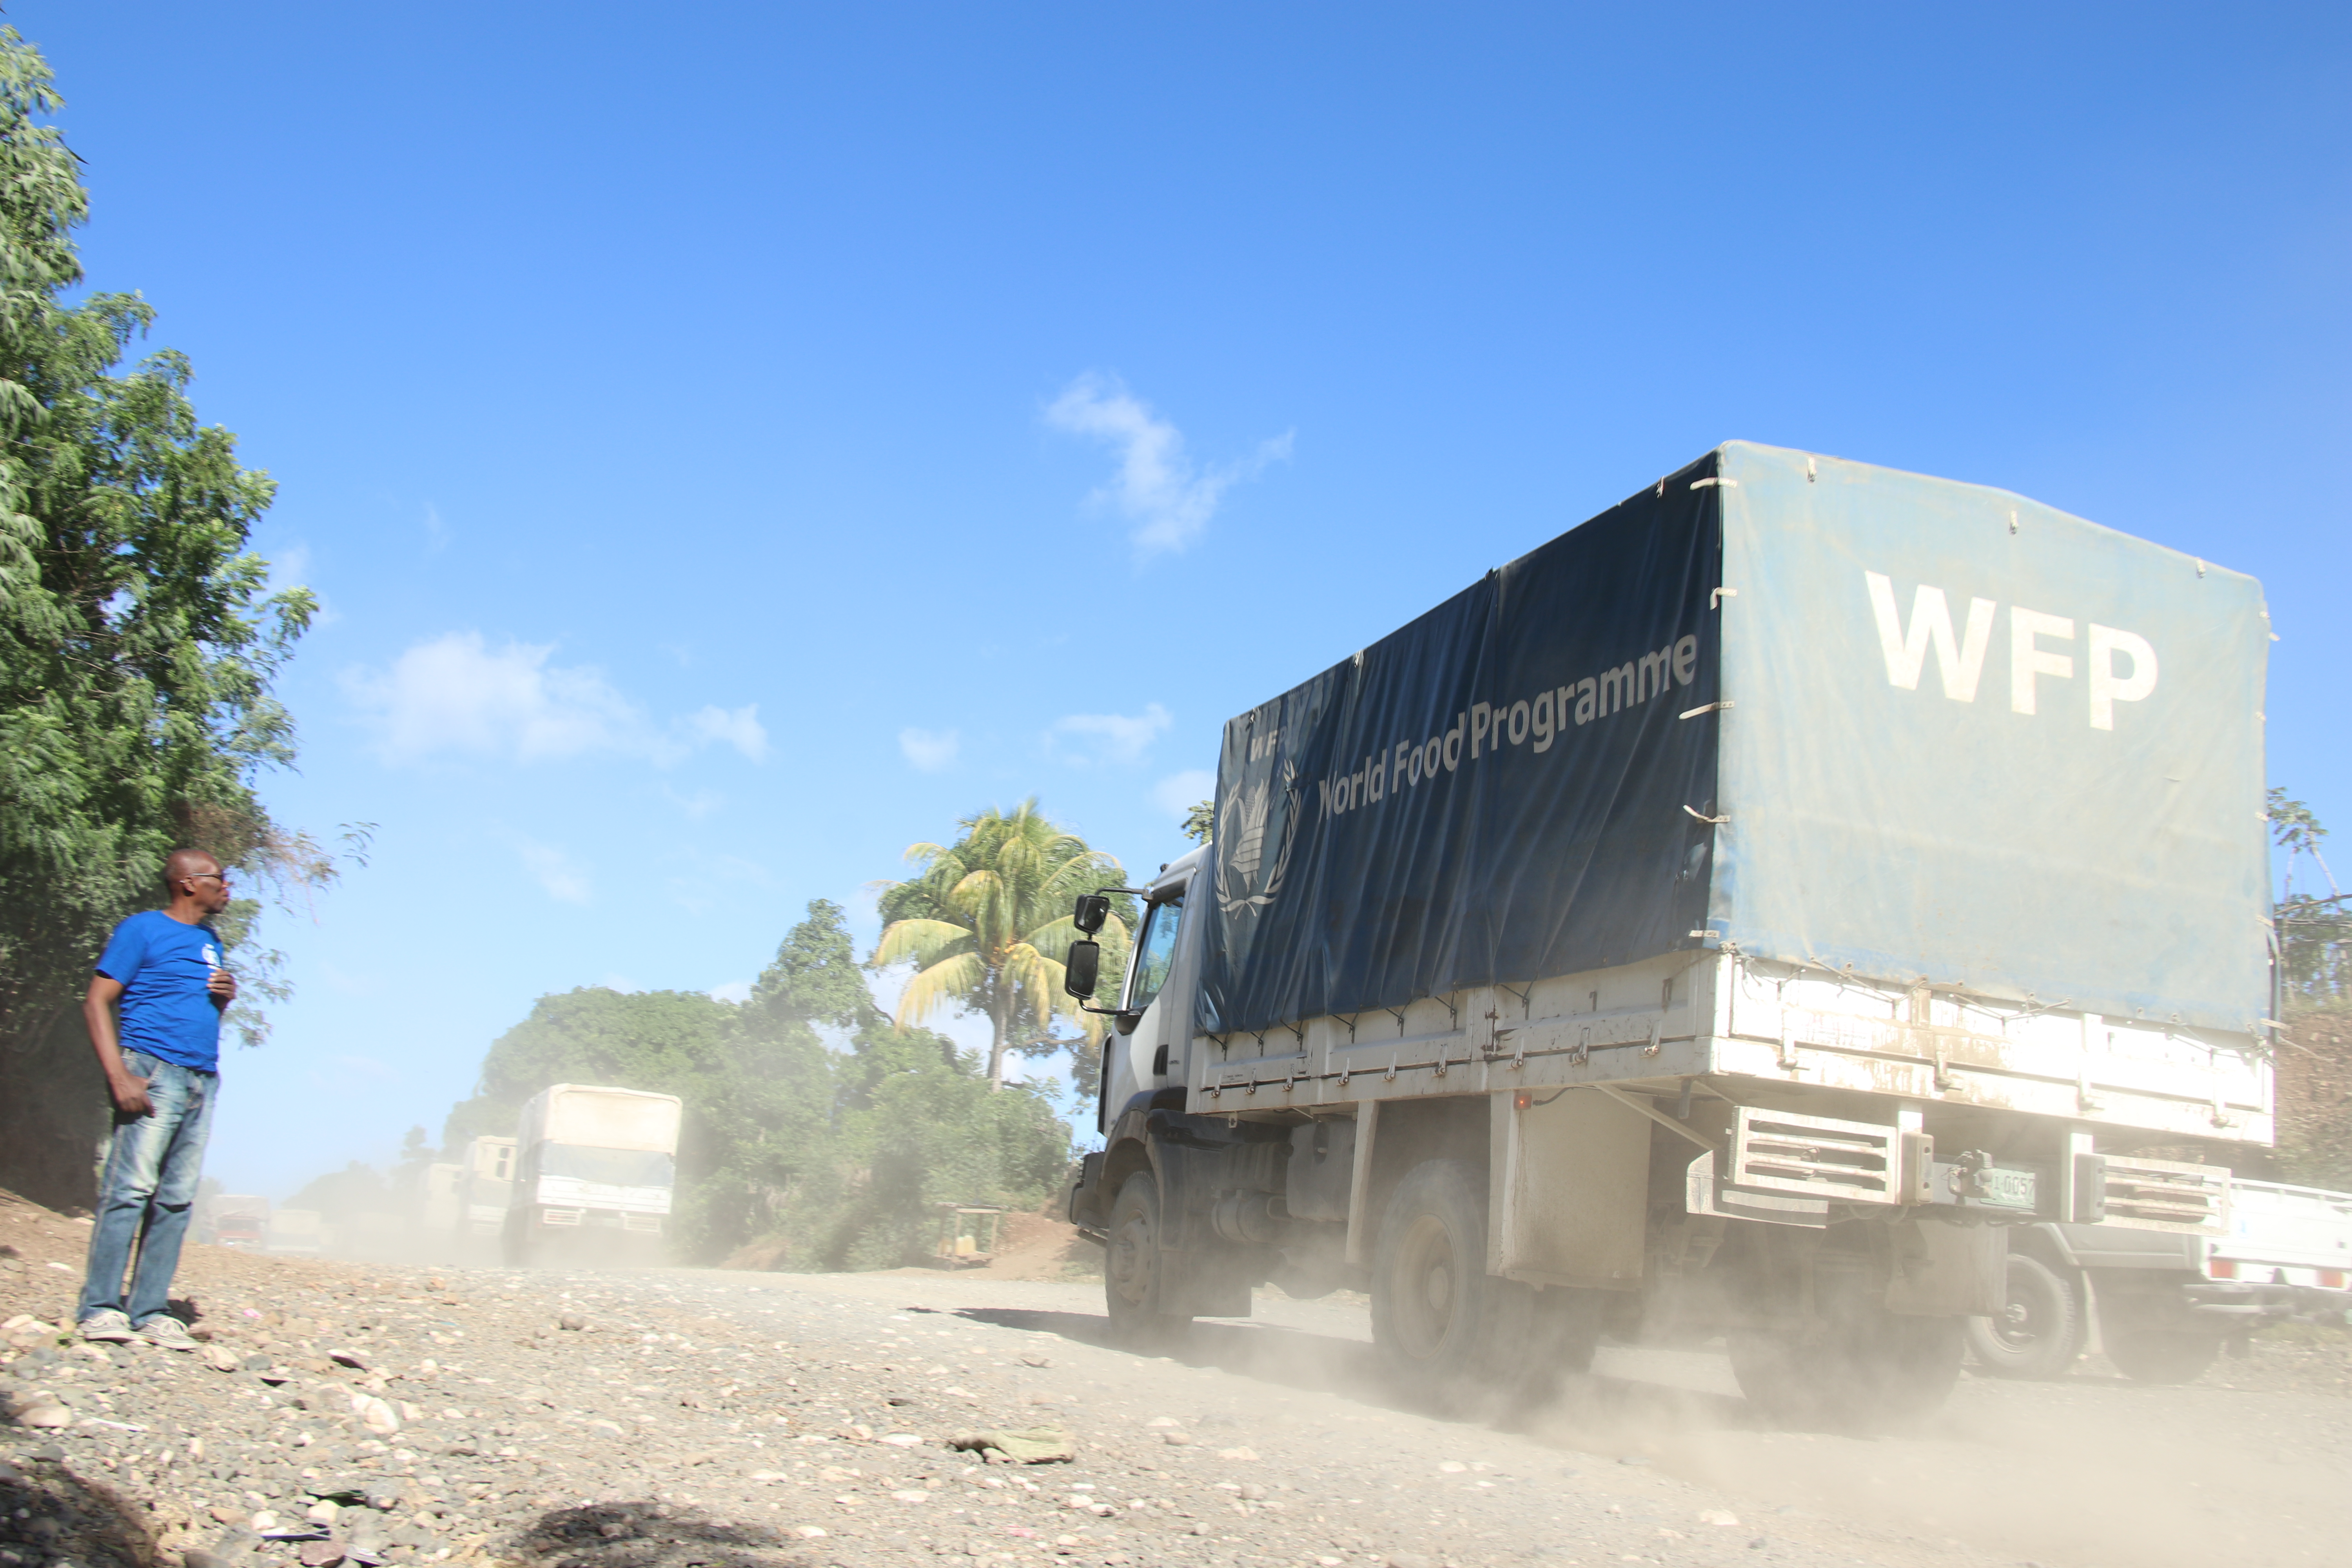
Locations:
{"points": [[733, 441]]}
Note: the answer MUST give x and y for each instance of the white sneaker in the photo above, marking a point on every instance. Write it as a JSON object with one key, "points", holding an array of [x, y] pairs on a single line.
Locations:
{"points": [[168, 1331], [106, 1326]]}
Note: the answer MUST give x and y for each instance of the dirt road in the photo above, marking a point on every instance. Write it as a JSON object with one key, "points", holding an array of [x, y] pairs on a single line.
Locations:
{"points": [[737, 1420]]}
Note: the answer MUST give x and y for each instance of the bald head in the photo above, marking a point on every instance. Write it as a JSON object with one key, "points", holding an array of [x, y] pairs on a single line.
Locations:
{"points": [[183, 864]]}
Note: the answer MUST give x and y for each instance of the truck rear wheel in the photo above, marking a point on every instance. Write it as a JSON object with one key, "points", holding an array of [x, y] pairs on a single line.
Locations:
{"points": [[2039, 1331], [2153, 1355], [1879, 1367], [1132, 1264], [1440, 1320]]}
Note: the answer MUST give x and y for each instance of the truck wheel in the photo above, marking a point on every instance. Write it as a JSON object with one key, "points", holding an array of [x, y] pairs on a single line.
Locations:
{"points": [[1439, 1319], [1132, 1264], [1882, 1367], [2041, 1332], [2153, 1355]]}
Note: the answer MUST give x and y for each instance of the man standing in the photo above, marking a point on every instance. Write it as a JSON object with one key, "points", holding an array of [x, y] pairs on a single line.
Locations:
{"points": [[164, 966]]}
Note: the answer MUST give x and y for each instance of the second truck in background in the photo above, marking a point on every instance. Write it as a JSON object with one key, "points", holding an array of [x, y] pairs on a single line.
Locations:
{"points": [[595, 1168]]}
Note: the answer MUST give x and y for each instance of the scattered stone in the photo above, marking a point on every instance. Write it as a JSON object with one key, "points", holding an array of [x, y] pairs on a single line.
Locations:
{"points": [[1452, 1467], [1239, 1455], [1634, 1459], [1719, 1517], [43, 1414], [375, 1414], [1026, 1445], [1176, 1439], [572, 1322], [352, 1359]]}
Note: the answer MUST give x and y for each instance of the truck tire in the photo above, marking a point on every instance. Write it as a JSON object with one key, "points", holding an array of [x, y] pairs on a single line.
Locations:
{"points": [[1443, 1325], [1859, 1373], [1132, 1268], [2156, 1356], [2040, 1333]]}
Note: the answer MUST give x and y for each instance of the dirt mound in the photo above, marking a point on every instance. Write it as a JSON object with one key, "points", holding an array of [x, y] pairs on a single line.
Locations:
{"points": [[42, 1254], [1042, 1246]]}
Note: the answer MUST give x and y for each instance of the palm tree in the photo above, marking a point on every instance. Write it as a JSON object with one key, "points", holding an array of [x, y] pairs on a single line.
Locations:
{"points": [[987, 925]]}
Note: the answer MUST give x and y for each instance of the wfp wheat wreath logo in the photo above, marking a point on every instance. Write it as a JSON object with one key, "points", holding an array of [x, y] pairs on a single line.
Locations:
{"points": [[1241, 824]]}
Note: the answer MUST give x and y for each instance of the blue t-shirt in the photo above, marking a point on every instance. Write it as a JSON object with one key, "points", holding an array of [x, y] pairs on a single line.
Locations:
{"points": [[164, 967]]}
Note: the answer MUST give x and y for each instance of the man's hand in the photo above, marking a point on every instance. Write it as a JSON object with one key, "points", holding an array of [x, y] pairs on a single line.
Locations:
{"points": [[129, 1096], [223, 986]]}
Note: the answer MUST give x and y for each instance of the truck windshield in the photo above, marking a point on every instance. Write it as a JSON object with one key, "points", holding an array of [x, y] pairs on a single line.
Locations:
{"points": [[612, 1167], [1156, 953]]}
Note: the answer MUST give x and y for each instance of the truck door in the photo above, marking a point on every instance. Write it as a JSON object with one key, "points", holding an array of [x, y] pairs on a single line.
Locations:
{"points": [[1155, 1006]]}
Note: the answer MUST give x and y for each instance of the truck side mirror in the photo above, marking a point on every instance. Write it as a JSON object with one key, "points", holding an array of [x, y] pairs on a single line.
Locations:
{"points": [[1088, 917], [1082, 967]]}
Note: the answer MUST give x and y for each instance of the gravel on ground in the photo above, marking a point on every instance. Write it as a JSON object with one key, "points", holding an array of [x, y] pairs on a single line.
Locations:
{"points": [[339, 1414]]}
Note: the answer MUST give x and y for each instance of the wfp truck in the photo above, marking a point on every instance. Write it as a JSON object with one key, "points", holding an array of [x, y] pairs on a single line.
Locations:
{"points": [[1733, 918], [594, 1167]]}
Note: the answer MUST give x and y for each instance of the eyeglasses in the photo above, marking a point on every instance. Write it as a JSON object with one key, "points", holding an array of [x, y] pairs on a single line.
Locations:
{"points": [[220, 877]]}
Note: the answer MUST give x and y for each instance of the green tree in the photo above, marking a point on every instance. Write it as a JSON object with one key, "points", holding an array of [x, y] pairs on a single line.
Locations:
{"points": [[138, 641], [987, 926], [2315, 932], [791, 1151], [1201, 822]]}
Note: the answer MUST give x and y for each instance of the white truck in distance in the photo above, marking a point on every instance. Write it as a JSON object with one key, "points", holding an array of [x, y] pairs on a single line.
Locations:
{"points": [[1736, 917], [2162, 1305], [298, 1233], [594, 1169]]}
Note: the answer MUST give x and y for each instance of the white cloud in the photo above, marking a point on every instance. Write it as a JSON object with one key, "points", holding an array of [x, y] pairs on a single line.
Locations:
{"points": [[1179, 792], [290, 568], [929, 750], [436, 532], [735, 990], [457, 694], [739, 728], [696, 806], [1167, 496], [565, 880], [1110, 737]]}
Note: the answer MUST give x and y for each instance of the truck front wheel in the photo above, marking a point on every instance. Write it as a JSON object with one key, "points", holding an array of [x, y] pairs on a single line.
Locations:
{"points": [[2039, 1331], [1132, 1264]]}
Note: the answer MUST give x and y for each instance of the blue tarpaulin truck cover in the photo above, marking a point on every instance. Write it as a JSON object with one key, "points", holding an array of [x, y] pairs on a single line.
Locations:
{"points": [[1825, 712]]}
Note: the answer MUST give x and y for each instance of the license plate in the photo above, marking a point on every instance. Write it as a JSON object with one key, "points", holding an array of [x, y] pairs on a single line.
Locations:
{"points": [[2006, 1189]]}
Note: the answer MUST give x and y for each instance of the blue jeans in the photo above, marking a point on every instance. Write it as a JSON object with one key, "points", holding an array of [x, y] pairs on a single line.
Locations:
{"points": [[148, 1190]]}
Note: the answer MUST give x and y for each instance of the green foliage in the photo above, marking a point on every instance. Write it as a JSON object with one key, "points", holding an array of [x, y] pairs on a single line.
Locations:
{"points": [[987, 925], [138, 637], [2315, 932], [1201, 822], [830, 1158]]}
